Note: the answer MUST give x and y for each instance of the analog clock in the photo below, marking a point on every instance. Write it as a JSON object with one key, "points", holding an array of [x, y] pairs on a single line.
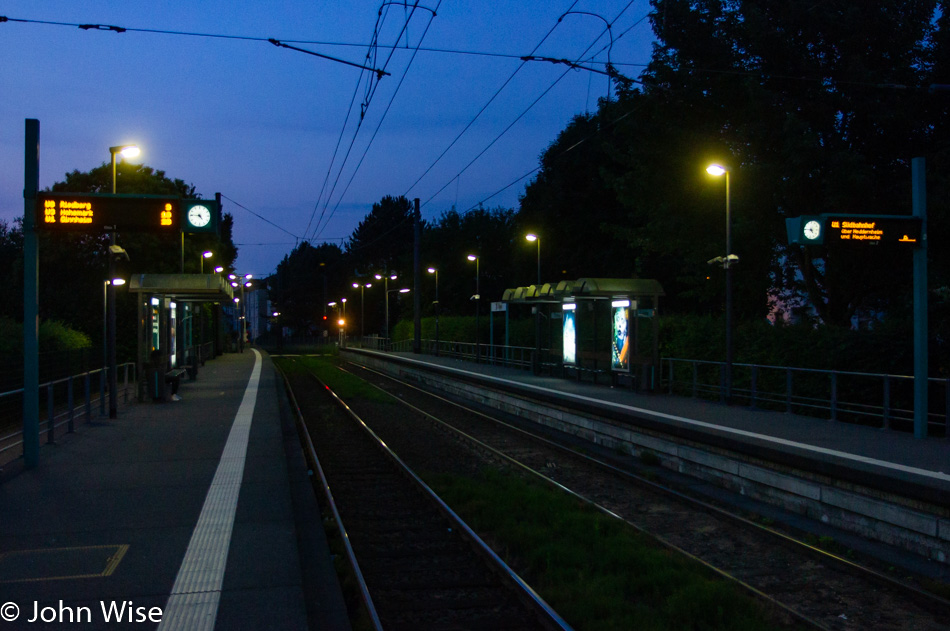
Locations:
{"points": [[812, 230], [199, 216]]}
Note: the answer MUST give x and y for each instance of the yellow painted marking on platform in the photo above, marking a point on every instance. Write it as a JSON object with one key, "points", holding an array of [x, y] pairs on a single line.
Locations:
{"points": [[111, 563]]}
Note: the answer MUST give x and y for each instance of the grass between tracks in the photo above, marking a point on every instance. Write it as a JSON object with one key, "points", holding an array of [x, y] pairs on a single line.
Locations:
{"points": [[596, 571], [325, 367]]}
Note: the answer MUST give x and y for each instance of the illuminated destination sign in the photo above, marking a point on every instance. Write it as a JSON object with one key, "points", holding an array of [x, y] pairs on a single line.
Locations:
{"points": [[830, 229], [75, 212], [872, 230]]}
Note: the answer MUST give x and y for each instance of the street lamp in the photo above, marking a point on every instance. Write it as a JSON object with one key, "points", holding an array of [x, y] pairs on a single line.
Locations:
{"points": [[433, 270], [128, 151], [728, 261], [536, 362], [477, 298], [243, 282], [205, 255], [362, 287], [386, 278], [218, 269]]}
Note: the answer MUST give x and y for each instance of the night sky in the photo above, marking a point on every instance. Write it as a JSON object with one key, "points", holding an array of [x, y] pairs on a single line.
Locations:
{"points": [[260, 124]]}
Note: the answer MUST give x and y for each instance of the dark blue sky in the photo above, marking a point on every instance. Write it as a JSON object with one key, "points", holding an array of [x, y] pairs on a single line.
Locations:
{"points": [[260, 124]]}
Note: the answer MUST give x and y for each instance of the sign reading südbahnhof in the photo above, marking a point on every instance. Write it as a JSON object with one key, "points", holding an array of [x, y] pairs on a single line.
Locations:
{"points": [[76, 212], [860, 230]]}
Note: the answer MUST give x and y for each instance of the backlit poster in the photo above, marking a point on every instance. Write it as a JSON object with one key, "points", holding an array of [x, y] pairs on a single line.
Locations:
{"points": [[620, 334], [569, 334]]}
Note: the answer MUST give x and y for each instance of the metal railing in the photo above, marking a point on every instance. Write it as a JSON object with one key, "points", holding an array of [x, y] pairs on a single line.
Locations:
{"points": [[494, 354], [874, 399], [877, 399], [65, 399]]}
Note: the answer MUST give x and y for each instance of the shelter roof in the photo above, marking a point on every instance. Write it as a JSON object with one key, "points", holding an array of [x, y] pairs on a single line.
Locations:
{"points": [[584, 288], [203, 287]]}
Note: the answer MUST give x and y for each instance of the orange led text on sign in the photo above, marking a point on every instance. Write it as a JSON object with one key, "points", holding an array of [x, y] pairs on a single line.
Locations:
{"points": [[859, 230], [166, 219], [69, 211]]}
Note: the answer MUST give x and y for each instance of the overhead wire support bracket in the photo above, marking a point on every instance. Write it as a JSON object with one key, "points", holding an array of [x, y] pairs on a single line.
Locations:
{"points": [[102, 27], [610, 70], [379, 73]]}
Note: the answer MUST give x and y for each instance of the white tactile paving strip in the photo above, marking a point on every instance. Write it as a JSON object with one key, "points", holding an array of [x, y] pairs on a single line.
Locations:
{"points": [[193, 603]]}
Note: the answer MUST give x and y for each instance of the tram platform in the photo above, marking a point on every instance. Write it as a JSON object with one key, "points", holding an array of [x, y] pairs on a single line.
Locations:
{"points": [[891, 460], [197, 512]]}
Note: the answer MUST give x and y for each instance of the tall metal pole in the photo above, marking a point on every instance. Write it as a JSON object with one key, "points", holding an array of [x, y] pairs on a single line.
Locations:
{"points": [[31, 281], [536, 362], [110, 299], [386, 289], [478, 301], [416, 280], [729, 348], [919, 185], [437, 307]]}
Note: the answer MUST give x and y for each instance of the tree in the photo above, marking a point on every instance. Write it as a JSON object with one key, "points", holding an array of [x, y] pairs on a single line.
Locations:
{"points": [[800, 96], [305, 281], [383, 240]]}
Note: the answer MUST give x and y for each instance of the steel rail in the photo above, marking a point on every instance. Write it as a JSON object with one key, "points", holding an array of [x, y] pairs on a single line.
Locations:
{"points": [[548, 617], [314, 462], [926, 599]]}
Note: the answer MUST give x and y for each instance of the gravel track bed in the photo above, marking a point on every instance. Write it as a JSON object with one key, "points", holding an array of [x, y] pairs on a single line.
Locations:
{"points": [[420, 572]]}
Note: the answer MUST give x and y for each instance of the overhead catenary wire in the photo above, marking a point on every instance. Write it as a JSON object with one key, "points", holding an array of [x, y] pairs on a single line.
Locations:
{"points": [[379, 125], [484, 107], [364, 107], [526, 110]]}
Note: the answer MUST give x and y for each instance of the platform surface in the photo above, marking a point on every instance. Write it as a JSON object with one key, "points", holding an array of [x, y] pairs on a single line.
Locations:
{"points": [[207, 497]]}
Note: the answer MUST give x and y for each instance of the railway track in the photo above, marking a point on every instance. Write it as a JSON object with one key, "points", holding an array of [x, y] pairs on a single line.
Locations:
{"points": [[819, 588], [418, 566]]}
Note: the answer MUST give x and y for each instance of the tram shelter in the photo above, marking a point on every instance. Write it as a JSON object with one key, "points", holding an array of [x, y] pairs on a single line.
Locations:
{"points": [[597, 326], [168, 308]]}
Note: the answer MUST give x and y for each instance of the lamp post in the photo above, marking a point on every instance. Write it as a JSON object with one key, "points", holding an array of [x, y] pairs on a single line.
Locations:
{"points": [[477, 297], [205, 255], [718, 170], [362, 287], [433, 270], [127, 151], [536, 360], [244, 281], [385, 278]]}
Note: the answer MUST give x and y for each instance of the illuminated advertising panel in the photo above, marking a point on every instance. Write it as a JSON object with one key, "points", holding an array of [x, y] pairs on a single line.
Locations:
{"points": [[569, 328], [75, 212], [620, 334]]}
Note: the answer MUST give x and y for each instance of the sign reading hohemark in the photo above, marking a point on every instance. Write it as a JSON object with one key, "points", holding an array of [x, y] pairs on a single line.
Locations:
{"points": [[79, 212]]}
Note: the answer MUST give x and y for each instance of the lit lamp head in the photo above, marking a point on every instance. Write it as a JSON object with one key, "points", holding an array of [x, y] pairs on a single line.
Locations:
{"points": [[207, 255], [531, 237], [472, 257], [432, 270], [404, 290], [716, 170], [356, 285], [117, 281], [126, 151], [218, 270]]}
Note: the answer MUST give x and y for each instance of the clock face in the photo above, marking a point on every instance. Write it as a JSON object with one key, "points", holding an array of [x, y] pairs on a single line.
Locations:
{"points": [[199, 216], [812, 230]]}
